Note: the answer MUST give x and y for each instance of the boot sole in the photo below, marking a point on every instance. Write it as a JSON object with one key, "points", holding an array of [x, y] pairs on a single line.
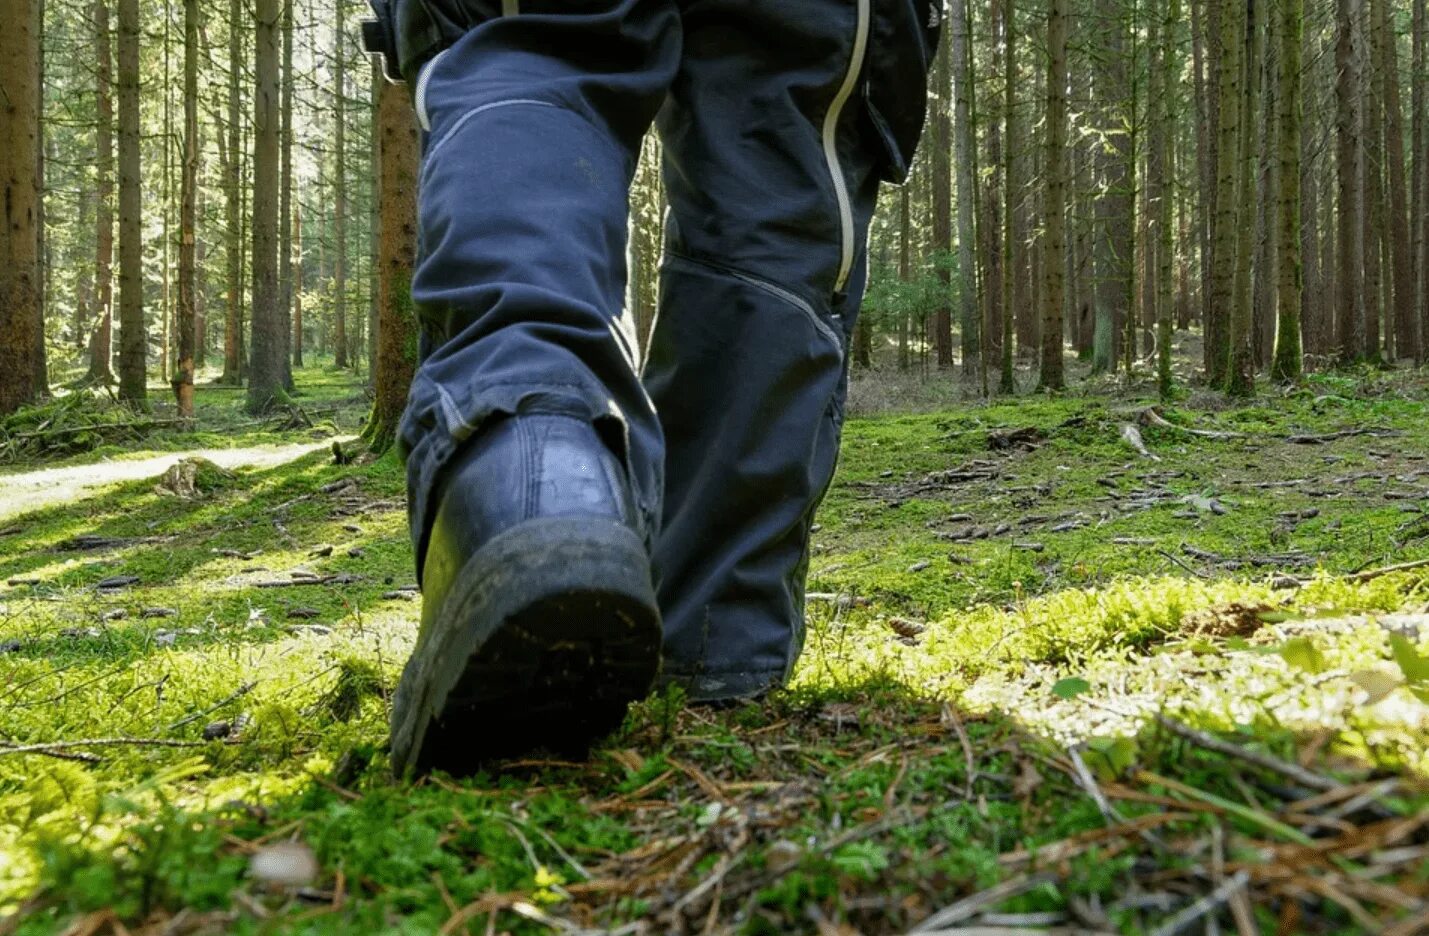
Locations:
{"points": [[551, 631]]}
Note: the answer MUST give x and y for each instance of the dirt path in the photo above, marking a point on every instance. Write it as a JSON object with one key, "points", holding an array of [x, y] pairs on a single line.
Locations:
{"points": [[33, 490]]}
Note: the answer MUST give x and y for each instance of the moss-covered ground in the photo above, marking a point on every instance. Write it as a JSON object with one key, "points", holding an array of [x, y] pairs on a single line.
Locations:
{"points": [[1051, 684]]}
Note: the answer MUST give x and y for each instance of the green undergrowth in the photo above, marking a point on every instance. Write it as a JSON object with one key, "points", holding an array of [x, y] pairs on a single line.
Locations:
{"points": [[996, 593]]}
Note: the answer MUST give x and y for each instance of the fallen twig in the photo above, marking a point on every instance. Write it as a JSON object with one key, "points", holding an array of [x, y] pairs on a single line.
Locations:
{"points": [[1372, 574], [1206, 905], [969, 906], [51, 746], [1286, 769], [242, 690]]}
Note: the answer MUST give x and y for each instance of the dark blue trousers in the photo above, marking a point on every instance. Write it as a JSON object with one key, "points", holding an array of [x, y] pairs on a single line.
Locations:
{"points": [[778, 120]]}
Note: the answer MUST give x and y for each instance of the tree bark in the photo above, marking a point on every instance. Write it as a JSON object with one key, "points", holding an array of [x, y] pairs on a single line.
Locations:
{"points": [[1350, 300], [188, 202], [1402, 318], [101, 342], [1115, 242], [133, 341], [942, 201], [1012, 186], [1240, 373], [266, 370], [1228, 171], [1372, 197], [1419, 100], [339, 95], [19, 205], [1166, 69], [232, 192], [1054, 267], [969, 316], [1286, 362], [285, 202], [397, 328]]}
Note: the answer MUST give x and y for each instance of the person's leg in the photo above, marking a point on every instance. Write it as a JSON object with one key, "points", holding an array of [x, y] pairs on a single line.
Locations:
{"points": [[780, 124], [534, 455]]}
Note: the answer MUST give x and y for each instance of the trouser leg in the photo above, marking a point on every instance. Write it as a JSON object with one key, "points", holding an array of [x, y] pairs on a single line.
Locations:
{"points": [[534, 116], [772, 162]]}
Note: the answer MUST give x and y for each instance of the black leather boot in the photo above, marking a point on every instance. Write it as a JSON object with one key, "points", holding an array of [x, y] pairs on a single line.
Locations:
{"points": [[539, 621]]}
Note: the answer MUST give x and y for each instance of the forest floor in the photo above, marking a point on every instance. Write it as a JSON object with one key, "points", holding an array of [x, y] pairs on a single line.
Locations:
{"points": [[1062, 675]]}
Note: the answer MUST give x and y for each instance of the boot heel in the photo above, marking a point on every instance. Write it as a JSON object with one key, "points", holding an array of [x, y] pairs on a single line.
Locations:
{"points": [[551, 631]]}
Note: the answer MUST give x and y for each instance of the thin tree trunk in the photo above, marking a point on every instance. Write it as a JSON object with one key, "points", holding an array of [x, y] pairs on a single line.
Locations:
{"points": [[39, 362], [1267, 253], [1012, 186], [942, 201], [1372, 160], [1115, 242], [1056, 173], [297, 248], [266, 371], [285, 203], [968, 310], [133, 343], [340, 186], [1228, 165], [1166, 69], [165, 200], [1402, 318], [232, 190], [1350, 299], [905, 269], [1419, 101], [188, 202], [101, 344], [1286, 363], [1240, 374]]}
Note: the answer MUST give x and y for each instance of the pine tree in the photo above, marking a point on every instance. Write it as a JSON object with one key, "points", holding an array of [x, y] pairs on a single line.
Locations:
{"points": [[20, 202]]}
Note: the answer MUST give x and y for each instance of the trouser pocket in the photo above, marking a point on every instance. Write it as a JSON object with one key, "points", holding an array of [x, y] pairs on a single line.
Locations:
{"points": [[902, 42]]}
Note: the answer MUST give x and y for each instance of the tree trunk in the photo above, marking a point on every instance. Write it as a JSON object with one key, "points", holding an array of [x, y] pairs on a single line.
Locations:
{"points": [[1115, 234], [101, 342], [905, 269], [1350, 328], [1373, 209], [285, 203], [397, 327], [1419, 101], [1054, 267], [188, 202], [133, 342], [39, 361], [265, 369], [1240, 373], [969, 319], [339, 94], [297, 248], [1267, 253], [1165, 71], [20, 204], [232, 191], [1012, 187], [942, 201], [1401, 319], [1286, 363], [1228, 171]]}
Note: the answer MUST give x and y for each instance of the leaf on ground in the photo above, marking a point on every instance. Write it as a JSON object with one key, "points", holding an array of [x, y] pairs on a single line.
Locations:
{"points": [[1377, 684], [1070, 687], [1301, 653]]}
